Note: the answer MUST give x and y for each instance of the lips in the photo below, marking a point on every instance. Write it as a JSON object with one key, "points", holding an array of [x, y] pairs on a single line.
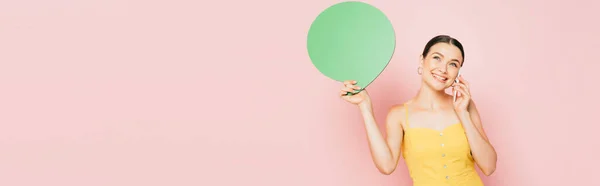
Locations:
{"points": [[439, 78]]}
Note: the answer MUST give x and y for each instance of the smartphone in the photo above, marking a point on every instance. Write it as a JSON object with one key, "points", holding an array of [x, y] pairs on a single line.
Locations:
{"points": [[456, 81]]}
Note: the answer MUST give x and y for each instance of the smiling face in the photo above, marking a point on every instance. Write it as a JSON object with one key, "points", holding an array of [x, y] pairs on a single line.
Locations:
{"points": [[440, 66]]}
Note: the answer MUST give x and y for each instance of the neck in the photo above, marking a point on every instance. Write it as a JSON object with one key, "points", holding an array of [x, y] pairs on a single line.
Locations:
{"points": [[430, 99]]}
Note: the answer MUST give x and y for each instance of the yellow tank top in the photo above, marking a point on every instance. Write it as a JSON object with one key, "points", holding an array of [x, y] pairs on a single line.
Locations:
{"points": [[439, 158]]}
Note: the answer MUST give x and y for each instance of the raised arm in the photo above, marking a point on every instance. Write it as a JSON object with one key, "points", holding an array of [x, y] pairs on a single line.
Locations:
{"points": [[481, 148], [483, 152], [385, 151]]}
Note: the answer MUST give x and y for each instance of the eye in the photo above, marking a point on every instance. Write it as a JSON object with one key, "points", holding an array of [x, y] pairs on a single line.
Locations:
{"points": [[454, 64], [436, 58]]}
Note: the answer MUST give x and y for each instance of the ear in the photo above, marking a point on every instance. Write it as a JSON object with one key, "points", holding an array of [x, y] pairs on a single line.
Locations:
{"points": [[421, 58]]}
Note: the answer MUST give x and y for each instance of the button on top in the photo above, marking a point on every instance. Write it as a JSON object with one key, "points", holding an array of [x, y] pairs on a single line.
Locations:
{"points": [[442, 145], [445, 166], [441, 133], [447, 177], [443, 155]]}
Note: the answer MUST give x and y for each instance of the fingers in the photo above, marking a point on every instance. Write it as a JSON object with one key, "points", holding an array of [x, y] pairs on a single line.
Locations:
{"points": [[349, 89], [345, 90], [349, 86], [462, 89], [343, 93], [462, 80], [463, 84], [349, 82]]}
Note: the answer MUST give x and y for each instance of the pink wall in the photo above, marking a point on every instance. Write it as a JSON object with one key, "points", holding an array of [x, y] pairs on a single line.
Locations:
{"points": [[223, 93]]}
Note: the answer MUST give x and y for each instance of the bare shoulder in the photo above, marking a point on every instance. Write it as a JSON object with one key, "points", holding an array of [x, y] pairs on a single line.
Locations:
{"points": [[397, 108], [397, 114]]}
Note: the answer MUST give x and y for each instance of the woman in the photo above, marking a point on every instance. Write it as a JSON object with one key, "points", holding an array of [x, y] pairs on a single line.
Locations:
{"points": [[440, 138]]}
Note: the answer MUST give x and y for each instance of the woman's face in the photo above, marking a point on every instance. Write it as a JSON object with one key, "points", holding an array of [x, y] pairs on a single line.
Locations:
{"points": [[440, 66]]}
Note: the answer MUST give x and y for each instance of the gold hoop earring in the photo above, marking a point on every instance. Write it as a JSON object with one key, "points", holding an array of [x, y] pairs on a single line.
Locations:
{"points": [[420, 70]]}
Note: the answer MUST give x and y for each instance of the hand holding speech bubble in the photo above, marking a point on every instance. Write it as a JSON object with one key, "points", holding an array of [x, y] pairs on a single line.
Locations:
{"points": [[351, 41]]}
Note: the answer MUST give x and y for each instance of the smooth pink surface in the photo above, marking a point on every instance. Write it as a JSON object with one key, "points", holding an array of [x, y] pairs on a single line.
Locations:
{"points": [[223, 93]]}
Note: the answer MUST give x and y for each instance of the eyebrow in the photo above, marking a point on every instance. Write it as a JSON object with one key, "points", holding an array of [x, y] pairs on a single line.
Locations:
{"points": [[450, 60]]}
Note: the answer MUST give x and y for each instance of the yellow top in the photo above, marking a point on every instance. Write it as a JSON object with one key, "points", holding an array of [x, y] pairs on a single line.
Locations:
{"points": [[439, 158]]}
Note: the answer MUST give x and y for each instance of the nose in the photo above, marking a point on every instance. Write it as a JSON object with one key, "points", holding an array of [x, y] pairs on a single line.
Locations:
{"points": [[444, 69]]}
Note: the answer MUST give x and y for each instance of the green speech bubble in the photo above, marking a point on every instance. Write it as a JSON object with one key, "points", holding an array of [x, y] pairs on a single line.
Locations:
{"points": [[351, 41]]}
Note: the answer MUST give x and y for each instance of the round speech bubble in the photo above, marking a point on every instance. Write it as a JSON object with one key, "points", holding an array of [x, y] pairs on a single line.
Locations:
{"points": [[351, 41]]}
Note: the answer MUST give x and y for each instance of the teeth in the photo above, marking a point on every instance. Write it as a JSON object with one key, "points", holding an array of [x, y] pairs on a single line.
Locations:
{"points": [[440, 78]]}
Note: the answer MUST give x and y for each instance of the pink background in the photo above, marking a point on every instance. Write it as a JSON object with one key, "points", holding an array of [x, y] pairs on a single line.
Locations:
{"points": [[222, 93]]}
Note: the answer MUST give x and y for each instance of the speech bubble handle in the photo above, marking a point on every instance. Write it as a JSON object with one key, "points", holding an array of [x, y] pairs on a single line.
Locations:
{"points": [[354, 92]]}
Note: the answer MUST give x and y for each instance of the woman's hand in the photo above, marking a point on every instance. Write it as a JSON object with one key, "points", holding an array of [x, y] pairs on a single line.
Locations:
{"points": [[385, 150], [360, 98], [482, 150], [462, 102]]}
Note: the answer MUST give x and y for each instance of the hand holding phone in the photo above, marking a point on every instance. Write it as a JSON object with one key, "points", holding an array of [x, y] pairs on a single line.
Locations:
{"points": [[456, 81]]}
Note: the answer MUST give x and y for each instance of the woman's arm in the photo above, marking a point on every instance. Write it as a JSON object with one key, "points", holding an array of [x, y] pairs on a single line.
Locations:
{"points": [[385, 152], [483, 152]]}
